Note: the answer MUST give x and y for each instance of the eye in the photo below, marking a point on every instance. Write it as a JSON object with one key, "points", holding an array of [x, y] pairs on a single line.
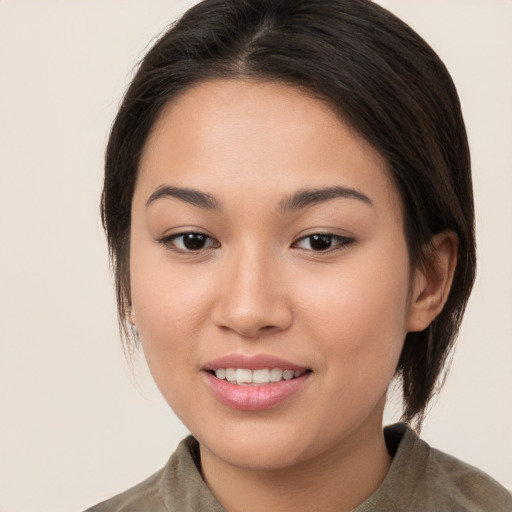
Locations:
{"points": [[189, 242], [320, 242]]}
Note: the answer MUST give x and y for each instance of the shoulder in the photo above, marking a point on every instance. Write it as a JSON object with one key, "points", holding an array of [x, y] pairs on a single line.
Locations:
{"points": [[438, 481], [177, 486], [144, 496], [466, 485]]}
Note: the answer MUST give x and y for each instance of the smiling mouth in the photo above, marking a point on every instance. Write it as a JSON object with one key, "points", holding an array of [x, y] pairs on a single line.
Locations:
{"points": [[262, 376]]}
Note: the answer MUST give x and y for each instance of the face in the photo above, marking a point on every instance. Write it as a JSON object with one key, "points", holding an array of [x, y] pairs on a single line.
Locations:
{"points": [[269, 273]]}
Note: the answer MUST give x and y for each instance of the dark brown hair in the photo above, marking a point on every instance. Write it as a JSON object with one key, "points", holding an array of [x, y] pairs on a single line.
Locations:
{"points": [[370, 67]]}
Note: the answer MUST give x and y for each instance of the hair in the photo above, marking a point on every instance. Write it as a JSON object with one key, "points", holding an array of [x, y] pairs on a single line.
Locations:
{"points": [[371, 68]]}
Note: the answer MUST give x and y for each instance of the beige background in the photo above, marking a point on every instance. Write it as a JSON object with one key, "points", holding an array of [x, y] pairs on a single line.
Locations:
{"points": [[76, 427]]}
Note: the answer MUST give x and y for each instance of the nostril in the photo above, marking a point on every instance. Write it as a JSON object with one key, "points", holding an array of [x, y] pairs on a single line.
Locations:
{"points": [[252, 310]]}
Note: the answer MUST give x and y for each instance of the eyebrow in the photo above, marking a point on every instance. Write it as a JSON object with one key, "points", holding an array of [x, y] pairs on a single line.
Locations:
{"points": [[187, 195], [310, 197], [299, 200]]}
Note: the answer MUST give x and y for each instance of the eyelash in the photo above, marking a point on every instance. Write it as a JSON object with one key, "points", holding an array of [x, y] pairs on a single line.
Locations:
{"points": [[169, 242], [337, 242]]}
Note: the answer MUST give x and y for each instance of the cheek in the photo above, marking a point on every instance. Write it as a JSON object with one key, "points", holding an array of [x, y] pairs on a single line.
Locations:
{"points": [[169, 320], [360, 313], [169, 315], [169, 309]]}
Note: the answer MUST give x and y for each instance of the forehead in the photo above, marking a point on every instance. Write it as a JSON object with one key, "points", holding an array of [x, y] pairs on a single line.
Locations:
{"points": [[258, 136]]}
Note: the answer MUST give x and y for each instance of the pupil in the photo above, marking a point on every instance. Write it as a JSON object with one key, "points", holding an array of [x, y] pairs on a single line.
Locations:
{"points": [[320, 242], [194, 241]]}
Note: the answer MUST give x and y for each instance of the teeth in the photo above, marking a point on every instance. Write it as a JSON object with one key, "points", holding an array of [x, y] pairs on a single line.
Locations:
{"points": [[276, 374], [260, 376], [220, 373], [243, 376], [288, 374], [231, 374]]}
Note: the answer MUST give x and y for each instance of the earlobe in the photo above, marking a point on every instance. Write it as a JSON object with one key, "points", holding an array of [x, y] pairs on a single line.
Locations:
{"points": [[433, 281], [133, 320]]}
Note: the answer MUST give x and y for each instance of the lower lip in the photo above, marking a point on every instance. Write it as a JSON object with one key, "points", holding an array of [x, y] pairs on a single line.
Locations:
{"points": [[251, 397]]}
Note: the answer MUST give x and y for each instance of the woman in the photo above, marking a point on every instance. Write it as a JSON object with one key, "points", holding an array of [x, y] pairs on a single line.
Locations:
{"points": [[288, 205]]}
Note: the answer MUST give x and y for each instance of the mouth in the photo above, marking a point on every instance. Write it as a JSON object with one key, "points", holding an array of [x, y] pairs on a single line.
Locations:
{"points": [[258, 377], [256, 382]]}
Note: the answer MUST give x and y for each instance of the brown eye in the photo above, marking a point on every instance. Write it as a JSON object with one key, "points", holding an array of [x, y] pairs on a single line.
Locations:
{"points": [[194, 241], [322, 242], [189, 242]]}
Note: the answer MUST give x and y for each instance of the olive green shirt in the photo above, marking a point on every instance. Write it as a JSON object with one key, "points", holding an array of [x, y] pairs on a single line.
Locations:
{"points": [[420, 479]]}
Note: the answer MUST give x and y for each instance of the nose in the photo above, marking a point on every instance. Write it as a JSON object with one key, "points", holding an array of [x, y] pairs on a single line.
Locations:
{"points": [[252, 299]]}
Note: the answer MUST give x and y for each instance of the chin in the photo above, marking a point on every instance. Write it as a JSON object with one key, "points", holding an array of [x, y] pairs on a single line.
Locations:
{"points": [[268, 446], [256, 455]]}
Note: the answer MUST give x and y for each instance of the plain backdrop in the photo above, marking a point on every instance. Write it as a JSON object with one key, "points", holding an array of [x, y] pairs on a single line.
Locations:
{"points": [[77, 424]]}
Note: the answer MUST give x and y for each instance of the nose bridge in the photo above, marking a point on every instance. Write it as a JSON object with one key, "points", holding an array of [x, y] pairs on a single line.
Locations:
{"points": [[251, 294]]}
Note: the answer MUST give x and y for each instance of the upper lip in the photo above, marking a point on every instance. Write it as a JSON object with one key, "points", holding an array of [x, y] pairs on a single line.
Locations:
{"points": [[251, 362]]}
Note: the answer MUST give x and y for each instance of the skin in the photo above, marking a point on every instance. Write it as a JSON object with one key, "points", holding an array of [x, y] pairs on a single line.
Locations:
{"points": [[258, 287]]}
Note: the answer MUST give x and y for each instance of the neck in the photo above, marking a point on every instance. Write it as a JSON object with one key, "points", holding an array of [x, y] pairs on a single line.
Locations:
{"points": [[337, 480]]}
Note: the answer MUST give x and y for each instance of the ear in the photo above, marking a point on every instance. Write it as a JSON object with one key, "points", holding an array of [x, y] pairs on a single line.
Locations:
{"points": [[132, 317], [432, 282]]}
